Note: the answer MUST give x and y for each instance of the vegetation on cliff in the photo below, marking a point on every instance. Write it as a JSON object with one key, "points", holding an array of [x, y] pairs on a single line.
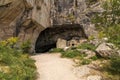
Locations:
{"points": [[109, 23]]}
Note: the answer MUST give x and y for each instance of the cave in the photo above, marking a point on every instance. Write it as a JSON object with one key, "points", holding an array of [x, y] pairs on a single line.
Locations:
{"points": [[47, 39]]}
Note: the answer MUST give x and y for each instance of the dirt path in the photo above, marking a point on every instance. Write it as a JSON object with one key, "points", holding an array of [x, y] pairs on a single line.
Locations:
{"points": [[52, 67]]}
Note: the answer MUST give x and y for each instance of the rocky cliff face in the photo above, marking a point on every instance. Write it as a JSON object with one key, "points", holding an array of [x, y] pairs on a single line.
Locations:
{"points": [[27, 18]]}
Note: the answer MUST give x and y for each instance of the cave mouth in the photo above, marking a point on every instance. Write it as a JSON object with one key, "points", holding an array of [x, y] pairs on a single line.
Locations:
{"points": [[45, 48], [47, 39]]}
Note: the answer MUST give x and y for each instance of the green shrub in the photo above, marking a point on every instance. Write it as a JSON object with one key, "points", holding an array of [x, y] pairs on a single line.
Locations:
{"points": [[54, 50], [94, 58], [71, 53], [115, 65], [112, 68], [101, 35], [85, 61], [113, 33], [87, 46], [25, 46], [91, 38], [108, 22], [14, 65], [110, 16]]}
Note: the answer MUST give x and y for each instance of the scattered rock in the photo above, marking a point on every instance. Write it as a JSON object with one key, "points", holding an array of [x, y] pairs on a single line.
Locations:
{"points": [[66, 48], [105, 39], [86, 72], [89, 53], [95, 42]]}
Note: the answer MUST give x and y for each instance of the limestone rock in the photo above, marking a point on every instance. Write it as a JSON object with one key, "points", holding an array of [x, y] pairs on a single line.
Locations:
{"points": [[27, 18], [89, 53], [106, 50], [5, 2], [61, 43], [85, 72]]}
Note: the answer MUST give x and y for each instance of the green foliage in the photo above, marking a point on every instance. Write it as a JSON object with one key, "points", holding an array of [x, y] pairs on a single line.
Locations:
{"points": [[25, 46], [86, 61], [109, 21], [71, 53], [87, 46], [111, 14], [54, 50], [109, 24], [71, 17], [101, 35], [113, 33], [94, 58], [112, 68], [14, 65], [91, 37], [115, 65]]}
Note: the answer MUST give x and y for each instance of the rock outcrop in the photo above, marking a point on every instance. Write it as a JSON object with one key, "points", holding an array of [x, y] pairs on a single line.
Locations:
{"points": [[27, 18], [107, 50]]}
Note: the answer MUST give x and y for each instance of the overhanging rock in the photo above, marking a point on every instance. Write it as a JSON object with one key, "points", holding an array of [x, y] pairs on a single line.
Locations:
{"points": [[27, 18]]}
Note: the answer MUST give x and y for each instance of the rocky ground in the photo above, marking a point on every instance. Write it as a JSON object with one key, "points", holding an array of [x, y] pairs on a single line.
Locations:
{"points": [[53, 67]]}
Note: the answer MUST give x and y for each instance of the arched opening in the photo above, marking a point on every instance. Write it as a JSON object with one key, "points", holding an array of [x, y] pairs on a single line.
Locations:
{"points": [[47, 39]]}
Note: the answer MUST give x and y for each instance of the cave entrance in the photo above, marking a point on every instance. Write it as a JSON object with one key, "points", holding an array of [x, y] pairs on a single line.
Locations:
{"points": [[48, 38]]}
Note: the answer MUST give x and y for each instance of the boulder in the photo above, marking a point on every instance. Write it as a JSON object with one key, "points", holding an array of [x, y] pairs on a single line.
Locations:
{"points": [[61, 43], [106, 50], [90, 54]]}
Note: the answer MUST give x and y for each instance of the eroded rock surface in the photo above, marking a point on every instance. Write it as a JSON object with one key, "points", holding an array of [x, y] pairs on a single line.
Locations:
{"points": [[107, 50], [27, 18]]}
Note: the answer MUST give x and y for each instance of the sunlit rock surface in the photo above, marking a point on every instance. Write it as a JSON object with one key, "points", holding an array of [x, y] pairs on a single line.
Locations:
{"points": [[27, 18]]}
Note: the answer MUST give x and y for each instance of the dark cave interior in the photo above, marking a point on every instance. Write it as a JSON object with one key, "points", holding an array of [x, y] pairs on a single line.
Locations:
{"points": [[47, 38]]}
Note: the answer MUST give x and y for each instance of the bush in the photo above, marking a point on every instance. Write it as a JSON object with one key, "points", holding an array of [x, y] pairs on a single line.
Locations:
{"points": [[115, 65], [25, 46], [94, 58], [87, 46], [54, 50], [112, 68], [110, 16], [71, 53], [113, 33], [85, 61], [108, 22], [14, 65]]}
